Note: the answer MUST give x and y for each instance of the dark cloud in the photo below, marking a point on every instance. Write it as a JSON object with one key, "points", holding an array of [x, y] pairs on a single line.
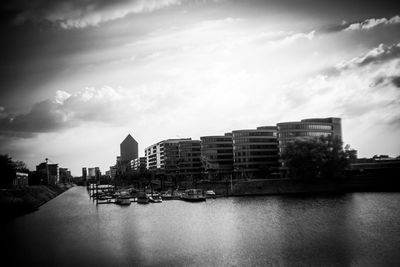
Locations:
{"points": [[378, 81], [334, 28], [396, 81], [65, 110], [43, 117], [378, 55], [372, 23], [76, 13], [105, 105], [366, 24]]}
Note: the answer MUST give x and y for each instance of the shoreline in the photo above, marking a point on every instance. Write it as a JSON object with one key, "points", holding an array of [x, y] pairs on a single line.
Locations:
{"points": [[263, 187], [17, 202]]}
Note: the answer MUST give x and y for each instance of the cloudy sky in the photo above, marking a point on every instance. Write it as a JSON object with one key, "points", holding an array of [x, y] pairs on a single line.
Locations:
{"points": [[78, 76]]}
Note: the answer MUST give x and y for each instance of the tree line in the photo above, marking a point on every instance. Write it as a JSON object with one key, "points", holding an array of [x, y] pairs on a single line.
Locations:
{"points": [[9, 169]]}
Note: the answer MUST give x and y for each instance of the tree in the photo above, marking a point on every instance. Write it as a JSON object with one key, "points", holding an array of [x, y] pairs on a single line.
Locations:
{"points": [[316, 158], [7, 171], [20, 166]]}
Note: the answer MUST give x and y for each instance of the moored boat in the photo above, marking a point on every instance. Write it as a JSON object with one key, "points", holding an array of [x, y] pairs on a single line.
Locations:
{"points": [[210, 194], [142, 198], [155, 198], [124, 198], [193, 195]]}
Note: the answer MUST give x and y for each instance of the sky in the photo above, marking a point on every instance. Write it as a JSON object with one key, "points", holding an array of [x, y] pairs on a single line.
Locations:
{"points": [[76, 77]]}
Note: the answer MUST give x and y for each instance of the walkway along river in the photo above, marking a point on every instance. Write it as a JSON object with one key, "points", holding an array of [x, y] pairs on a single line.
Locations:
{"points": [[359, 229]]}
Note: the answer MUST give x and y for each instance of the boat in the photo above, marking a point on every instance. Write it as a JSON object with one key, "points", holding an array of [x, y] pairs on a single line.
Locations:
{"points": [[155, 198], [142, 198], [193, 195], [124, 198], [170, 195], [210, 194], [105, 197]]}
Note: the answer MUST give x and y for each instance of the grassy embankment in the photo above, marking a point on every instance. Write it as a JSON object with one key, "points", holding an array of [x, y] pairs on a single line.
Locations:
{"points": [[14, 202]]}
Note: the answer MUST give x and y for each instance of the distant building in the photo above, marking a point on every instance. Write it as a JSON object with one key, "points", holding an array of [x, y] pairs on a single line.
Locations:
{"points": [[138, 164], [84, 173], [217, 155], [189, 159], [21, 179], [49, 173], [92, 173], [65, 175], [375, 167], [113, 171], [255, 152], [308, 128], [97, 172], [129, 151]]}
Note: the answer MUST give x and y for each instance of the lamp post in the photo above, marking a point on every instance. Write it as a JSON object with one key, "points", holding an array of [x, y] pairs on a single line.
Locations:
{"points": [[47, 170]]}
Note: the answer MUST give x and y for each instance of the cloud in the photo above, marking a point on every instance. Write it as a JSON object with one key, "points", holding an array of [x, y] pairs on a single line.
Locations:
{"points": [[363, 89], [281, 37], [367, 24], [297, 36], [80, 14], [396, 81], [377, 55], [105, 105], [385, 80], [372, 23], [43, 117]]}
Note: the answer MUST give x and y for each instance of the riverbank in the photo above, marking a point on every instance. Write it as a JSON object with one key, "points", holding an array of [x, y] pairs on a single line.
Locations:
{"points": [[15, 202], [295, 186]]}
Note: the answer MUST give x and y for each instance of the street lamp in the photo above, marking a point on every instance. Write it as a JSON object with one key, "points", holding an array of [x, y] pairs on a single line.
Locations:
{"points": [[47, 170]]}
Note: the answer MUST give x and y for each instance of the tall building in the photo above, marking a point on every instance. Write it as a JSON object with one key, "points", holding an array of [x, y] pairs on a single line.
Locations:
{"points": [[189, 159], [217, 155], [162, 157], [308, 128], [255, 152], [129, 151]]}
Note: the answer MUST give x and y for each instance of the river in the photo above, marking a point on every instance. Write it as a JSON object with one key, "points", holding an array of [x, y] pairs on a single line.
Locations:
{"points": [[354, 229]]}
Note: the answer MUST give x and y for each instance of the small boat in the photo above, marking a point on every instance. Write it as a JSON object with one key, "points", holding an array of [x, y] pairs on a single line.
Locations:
{"points": [[193, 195], [142, 198], [124, 198], [170, 195], [210, 194], [105, 197], [155, 198]]}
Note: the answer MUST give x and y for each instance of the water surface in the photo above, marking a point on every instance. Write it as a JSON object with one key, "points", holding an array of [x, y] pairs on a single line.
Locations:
{"points": [[359, 229]]}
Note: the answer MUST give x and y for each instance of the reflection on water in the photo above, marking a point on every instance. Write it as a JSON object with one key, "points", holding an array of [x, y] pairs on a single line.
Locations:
{"points": [[350, 229]]}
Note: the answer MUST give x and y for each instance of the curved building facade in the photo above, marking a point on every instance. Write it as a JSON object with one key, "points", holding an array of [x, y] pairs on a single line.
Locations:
{"points": [[255, 151], [308, 128], [217, 155]]}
